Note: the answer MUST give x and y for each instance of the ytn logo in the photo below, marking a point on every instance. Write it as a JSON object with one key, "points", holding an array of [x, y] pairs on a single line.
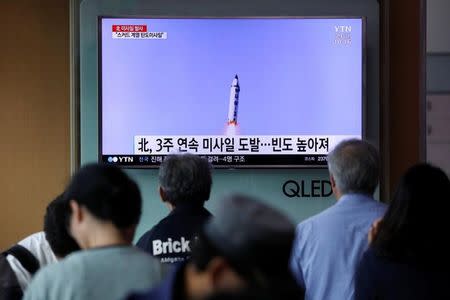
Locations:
{"points": [[125, 159], [343, 29]]}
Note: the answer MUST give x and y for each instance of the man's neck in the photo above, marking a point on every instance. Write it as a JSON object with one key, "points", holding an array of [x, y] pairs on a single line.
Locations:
{"points": [[350, 194], [104, 236], [170, 206], [337, 195]]}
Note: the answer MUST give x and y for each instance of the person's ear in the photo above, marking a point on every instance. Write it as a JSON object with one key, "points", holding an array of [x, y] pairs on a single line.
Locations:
{"points": [[77, 212], [223, 277], [334, 188], [333, 182], [216, 268], [162, 194]]}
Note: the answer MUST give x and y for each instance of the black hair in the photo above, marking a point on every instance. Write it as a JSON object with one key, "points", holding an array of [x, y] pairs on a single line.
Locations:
{"points": [[185, 178], [108, 193], [275, 278], [412, 228], [203, 251], [55, 227]]}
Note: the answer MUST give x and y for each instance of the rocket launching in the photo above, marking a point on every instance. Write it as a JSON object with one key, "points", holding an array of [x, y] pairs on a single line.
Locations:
{"points": [[234, 102]]}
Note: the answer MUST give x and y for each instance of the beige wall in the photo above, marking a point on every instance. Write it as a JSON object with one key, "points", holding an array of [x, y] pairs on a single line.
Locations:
{"points": [[403, 81], [34, 114]]}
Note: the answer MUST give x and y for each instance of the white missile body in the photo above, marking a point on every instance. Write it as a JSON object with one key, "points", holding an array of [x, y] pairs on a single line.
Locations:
{"points": [[234, 102]]}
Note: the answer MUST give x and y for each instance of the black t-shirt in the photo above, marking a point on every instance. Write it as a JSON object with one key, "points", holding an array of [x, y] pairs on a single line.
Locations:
{"points": [[384, 278], [170, 239]]}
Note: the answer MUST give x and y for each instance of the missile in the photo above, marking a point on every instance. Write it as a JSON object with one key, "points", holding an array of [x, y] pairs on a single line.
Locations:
{"points": [[234, 101]]}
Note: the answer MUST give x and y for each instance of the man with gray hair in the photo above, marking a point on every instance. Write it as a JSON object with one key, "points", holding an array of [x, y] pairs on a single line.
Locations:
{"points": [[329, 245], [185, 185]]}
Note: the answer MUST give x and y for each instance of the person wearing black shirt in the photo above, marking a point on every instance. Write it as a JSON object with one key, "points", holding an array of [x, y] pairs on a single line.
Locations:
{"points": [[408, 258], [243, 252], [185, 185]]}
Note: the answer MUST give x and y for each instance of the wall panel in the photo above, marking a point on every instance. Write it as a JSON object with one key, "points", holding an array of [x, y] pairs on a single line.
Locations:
{"points": [[34, 114]]}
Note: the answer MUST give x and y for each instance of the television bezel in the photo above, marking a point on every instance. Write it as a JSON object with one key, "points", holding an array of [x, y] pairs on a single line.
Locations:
{"points": [[100, 85]]}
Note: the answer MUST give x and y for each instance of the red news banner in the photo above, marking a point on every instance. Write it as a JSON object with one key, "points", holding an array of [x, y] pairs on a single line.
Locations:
{"points": [[136, 32]]}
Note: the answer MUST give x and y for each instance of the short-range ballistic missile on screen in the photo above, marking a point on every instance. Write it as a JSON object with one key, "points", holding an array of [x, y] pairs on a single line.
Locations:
{"points": [[234, 102]]}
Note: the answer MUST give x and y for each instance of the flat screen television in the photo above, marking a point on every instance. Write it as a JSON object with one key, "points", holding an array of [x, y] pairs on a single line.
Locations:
{"points": [[244, 92]]}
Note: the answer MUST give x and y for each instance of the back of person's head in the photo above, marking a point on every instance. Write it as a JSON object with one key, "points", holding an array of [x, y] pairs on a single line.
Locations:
{"points": [[55, 227], [185, 178], [254, 239], [413, 227], [107, 193], [354, 164]]}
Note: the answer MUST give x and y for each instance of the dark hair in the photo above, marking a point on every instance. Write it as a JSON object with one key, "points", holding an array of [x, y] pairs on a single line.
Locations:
{"points": [[203, 251], [108, 193], [55, 227], [256, 274], [412, 228], [185, 178]]}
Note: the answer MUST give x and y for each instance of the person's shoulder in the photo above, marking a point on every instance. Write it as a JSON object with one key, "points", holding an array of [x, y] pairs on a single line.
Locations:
{"points": [[380, 205], [80, 262], [160, 225], [135, 257], [52, 281], [368, 200], [153, 232], [138, 253], [304, 230], [45, 279], [145, 238], [360, 206], [52, 270], [38, 245], [199, 217], [34, 242], [316, 219], [180, 221], [375, 208], [142, 258], [37, 237]]}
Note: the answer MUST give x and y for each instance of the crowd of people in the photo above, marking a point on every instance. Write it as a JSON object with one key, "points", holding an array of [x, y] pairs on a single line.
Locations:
{"points": [[359, 248]]}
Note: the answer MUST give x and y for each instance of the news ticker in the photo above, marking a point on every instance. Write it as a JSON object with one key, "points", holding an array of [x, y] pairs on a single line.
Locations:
{"points": [[297, 160], [237, 145]]}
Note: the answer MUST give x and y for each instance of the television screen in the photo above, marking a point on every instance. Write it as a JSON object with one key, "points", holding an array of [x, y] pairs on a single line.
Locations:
{"points": [[243, 92]]}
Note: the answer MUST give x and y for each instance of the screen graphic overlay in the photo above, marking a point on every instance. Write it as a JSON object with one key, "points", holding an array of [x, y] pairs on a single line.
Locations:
{"points": [[242, 92]]}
